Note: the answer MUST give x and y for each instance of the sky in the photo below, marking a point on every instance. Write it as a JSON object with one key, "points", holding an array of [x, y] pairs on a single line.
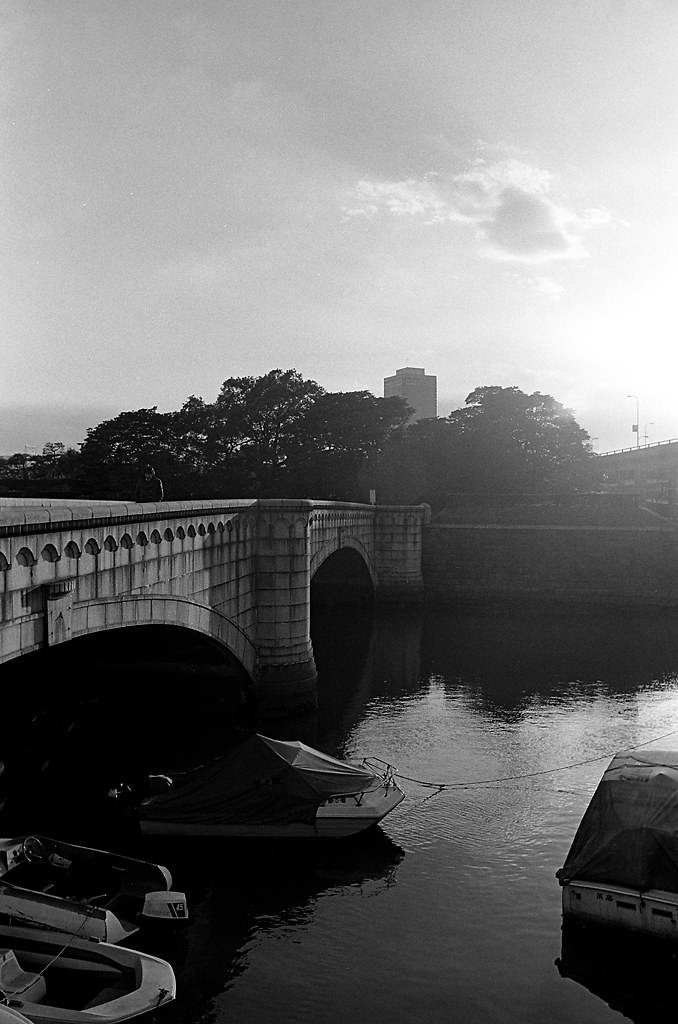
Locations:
{"points": [[192, 191]]}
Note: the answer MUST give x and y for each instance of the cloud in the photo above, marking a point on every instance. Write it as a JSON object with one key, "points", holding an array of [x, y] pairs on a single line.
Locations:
{"points": [[512, 205], [400, 198], [530, 228]]}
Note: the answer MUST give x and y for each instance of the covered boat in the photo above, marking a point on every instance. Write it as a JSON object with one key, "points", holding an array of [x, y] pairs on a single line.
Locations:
{"points": [[94, 893], [622, 868], [271, 789]]}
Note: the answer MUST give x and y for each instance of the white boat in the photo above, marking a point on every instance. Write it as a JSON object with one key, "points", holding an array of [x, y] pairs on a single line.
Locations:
{"points": [[622, 867], [56, 978], [266, 788], [8, 1015], [93, 893]]}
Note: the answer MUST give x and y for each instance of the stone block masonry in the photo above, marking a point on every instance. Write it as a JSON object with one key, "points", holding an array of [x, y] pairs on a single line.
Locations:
{"points": [[574, 565]]}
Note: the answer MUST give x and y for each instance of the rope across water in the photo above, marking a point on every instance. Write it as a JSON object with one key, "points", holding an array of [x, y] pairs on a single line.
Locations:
{"points": [[440, 786]]}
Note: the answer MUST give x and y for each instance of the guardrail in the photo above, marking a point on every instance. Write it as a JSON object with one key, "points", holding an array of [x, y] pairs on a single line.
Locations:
{"points": [[636, 448]]}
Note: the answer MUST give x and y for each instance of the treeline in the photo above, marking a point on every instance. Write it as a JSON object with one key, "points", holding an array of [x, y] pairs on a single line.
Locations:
{"points": [[280, 435]]}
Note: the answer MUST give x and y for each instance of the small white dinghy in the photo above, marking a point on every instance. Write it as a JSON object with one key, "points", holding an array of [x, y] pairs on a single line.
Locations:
{"points": [[93, 893], [272, 789], [55, 978], [8, 1015]]}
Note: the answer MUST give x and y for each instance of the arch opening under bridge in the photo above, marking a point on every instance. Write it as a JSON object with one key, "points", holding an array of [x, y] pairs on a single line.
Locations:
{"points": [[110, 707], [343, 578]]}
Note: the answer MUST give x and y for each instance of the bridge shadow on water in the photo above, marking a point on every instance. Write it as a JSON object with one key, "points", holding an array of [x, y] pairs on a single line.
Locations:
{"points": [[80, 718], [84, 716], [99, 713]]}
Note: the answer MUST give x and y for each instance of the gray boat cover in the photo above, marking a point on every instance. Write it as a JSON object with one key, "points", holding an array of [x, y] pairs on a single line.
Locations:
{"points": [[260, 781], [629, 833]]}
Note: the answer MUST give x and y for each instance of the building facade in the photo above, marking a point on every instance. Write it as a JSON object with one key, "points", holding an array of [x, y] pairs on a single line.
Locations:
{"points": [[419, 389]]}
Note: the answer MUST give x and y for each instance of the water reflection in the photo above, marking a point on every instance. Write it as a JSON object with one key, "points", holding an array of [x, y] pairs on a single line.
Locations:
{"points": [[451, 910], [507, 655], [634, 976], [244, 894], [503, 660]]}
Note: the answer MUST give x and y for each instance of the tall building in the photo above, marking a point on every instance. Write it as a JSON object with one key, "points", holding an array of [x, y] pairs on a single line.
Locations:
{"points": [[419, 389]]}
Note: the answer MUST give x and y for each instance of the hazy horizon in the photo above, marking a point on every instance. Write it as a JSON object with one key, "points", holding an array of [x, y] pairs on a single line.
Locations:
{"points": [[196, 190], [24, 428]]}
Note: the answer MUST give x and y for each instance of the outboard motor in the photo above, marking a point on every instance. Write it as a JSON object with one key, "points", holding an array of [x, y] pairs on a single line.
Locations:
{"points": [[165, 906]]}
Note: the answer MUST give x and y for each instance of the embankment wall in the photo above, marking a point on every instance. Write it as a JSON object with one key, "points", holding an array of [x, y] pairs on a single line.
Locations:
{"points": [[571, 564]]}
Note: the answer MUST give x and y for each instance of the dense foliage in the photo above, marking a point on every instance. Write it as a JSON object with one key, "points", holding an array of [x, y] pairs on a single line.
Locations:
{"points": [[281, 435], [502, 441], [51, 472]]}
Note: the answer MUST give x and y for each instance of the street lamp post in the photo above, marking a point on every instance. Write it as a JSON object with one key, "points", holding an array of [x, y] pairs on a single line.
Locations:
{"points": [[636, 426]]}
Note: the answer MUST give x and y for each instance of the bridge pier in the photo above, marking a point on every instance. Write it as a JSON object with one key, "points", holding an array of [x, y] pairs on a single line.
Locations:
{"points": [[399, 553], [287, 675]]}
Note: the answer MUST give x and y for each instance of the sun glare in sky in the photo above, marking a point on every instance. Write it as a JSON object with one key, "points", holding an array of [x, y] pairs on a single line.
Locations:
{"points": [[195, 190]]}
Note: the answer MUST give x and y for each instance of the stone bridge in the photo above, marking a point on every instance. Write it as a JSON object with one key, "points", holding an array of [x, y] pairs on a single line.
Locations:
{"points": [[237, 571]]}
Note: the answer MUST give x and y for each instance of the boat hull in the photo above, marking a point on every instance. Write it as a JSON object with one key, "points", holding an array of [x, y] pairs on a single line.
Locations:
{"points": [[336, 818], [84, 981], [652, 913], [25, 907], [90, 892]]}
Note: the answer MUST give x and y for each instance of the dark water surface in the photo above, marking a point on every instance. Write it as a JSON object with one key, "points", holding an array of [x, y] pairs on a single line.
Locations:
{"points": [[449, 911]]}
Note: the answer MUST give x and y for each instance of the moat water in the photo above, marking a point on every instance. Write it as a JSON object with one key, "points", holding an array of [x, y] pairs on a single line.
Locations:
{"points": [[450, 910]]}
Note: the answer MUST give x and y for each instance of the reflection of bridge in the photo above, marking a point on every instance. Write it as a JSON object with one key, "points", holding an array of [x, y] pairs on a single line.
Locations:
{"points": [[238, 572]]}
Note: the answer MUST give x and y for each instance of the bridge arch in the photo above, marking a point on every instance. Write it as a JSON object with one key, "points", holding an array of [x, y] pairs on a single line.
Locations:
{"points": [[330, 547], [132, 610], [344, 577]]}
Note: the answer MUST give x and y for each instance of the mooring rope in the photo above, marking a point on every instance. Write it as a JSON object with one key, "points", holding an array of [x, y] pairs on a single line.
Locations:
{"points": [[468, 784], [71, 939]]}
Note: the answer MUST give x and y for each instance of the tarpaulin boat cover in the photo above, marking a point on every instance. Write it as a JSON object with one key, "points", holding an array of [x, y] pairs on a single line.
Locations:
{"points": [[260, 781], [629, 833]]}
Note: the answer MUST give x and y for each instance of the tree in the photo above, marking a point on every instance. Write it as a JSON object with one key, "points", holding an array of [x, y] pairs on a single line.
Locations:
{"points": [[502, 441], [520, 442], [341, 435], [57, 462], [115, 450], [53, 450], [257, 422], [419, 464], [54, 473], [193, 424], [19, 466]]}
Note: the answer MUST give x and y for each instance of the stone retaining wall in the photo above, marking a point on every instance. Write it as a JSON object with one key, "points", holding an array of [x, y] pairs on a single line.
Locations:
{"points": [[575, 565]]}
